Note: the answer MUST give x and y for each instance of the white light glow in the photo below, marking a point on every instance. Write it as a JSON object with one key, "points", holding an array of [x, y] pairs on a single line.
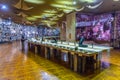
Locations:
{"points": [[88, 1], [116, 0], [4, 7], [62, 6], [35, 1], [95, 6], [64, 2], [74, 2]]}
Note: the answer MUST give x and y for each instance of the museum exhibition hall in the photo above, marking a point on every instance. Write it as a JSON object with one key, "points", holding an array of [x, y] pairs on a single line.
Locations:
{"points": [[59, 39]]}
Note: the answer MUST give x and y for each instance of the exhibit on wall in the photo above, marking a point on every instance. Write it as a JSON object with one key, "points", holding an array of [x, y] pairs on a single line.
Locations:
{"points": [[94, 27]]}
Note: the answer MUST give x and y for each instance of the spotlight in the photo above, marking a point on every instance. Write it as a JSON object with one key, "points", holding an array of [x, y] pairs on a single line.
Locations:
{"points": [[74, 2], [4, 7]]}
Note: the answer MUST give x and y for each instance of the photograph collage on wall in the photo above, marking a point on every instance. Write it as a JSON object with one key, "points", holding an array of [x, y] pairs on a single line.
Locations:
{"points": [[10, 31], [94, 27], [46, 31]]}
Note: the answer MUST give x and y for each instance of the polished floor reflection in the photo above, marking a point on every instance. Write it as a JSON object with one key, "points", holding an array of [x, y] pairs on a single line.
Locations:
{"points": [[23, 65]]}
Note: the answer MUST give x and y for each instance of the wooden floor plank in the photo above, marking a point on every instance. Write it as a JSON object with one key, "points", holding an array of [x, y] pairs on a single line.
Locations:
{"points": [[18, 65]]}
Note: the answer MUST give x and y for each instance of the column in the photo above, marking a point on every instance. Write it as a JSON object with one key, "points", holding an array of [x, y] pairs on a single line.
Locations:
{"points": [[71, 27]]}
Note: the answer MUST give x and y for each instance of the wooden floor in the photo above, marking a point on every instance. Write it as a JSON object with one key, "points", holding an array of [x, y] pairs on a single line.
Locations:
{"points": [[18, 65]]}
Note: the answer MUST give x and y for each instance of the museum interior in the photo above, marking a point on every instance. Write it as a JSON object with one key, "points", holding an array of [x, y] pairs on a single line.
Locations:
{"points": [[59, 39]]}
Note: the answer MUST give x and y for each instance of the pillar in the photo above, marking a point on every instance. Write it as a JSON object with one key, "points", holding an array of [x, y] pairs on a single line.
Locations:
{"points": [[71, 27]]}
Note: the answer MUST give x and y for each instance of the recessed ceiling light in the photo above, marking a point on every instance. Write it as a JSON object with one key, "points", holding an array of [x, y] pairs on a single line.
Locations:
{"points": [[115, 0], [74, 2], [4, 7]]}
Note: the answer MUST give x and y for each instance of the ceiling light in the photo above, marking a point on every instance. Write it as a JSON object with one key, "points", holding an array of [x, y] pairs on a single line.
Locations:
{"points": [[88, 1], [74, 2], [115, 0], [50, 11], [35, 1], [4, 7], [62, 6], [47, 14], [64, 2]]}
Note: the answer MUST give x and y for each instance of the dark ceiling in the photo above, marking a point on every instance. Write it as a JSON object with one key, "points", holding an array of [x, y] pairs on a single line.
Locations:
{"points": [[42, 13]]}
